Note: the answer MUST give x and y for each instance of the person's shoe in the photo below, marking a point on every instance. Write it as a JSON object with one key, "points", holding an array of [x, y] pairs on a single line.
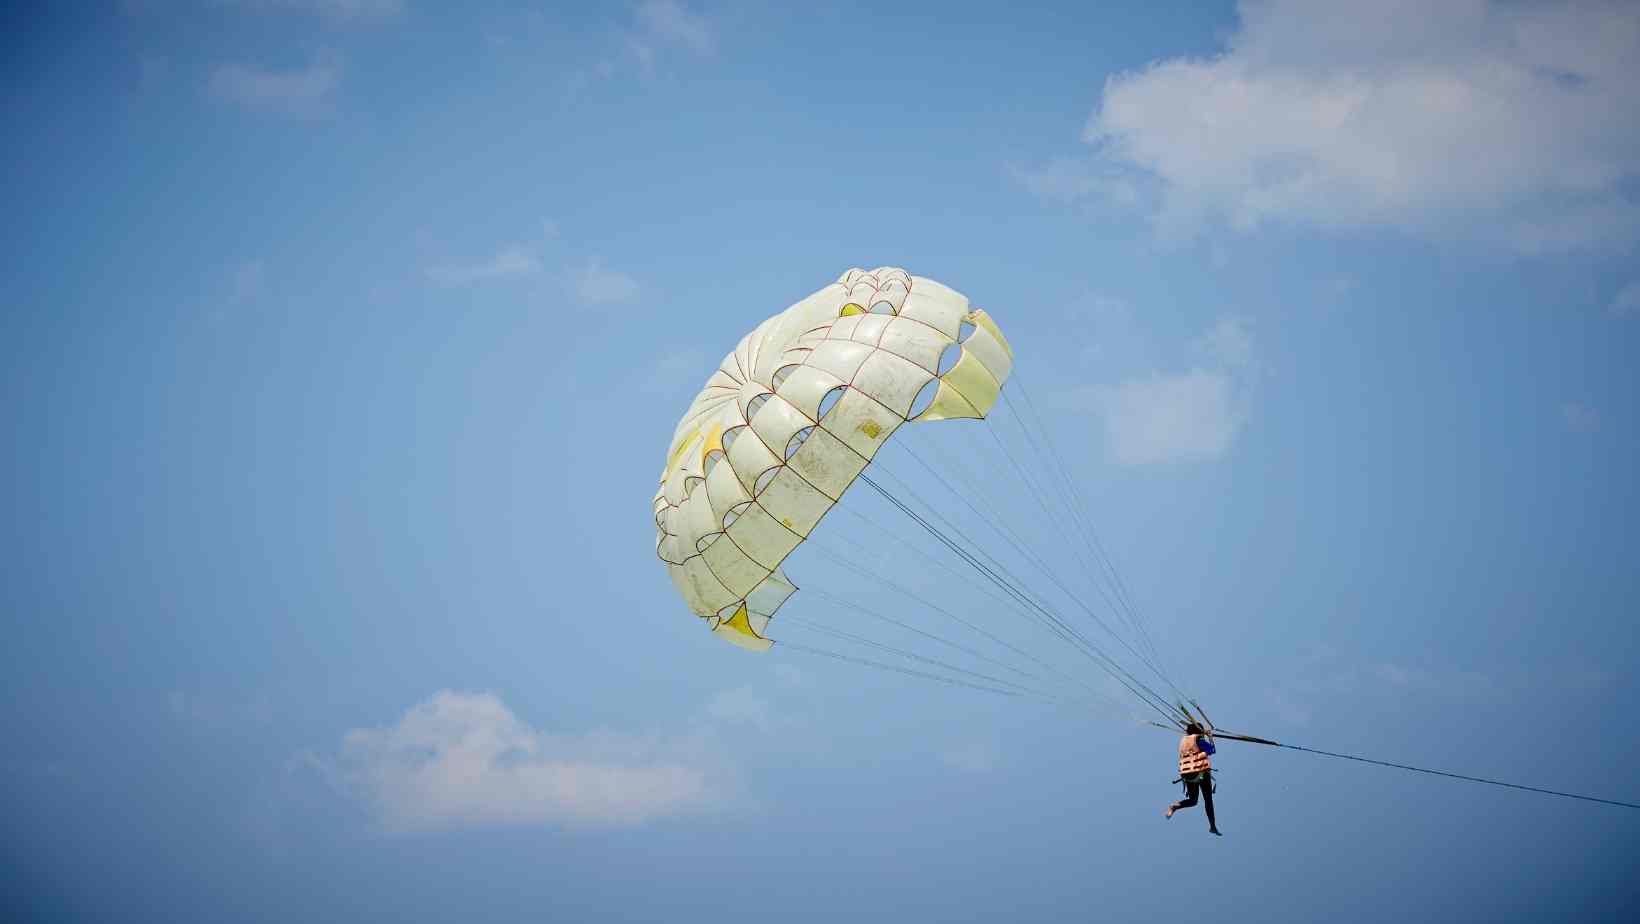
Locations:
{"points": [[1215, 831]]}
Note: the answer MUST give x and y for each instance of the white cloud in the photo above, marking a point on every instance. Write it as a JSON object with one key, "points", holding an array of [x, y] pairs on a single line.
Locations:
{"points": [[595, 285], [1510, 123], [340, 11], [1193, 415], [1626, 303], [511, 261], [1229, 342], [660, 24], [1580, 418], [305, 93], [1066, 180], [670, 22], [1168, 418], [741, 706], [465, 760]]}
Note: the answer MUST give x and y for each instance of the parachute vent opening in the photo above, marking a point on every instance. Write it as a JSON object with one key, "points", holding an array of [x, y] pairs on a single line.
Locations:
{"points": [[830, 399], [781, 374], [965, 330], [705, 542], [712, 459], [732, 434], [797, 440], [925, 398], [882, 307], [691, 483], [764, 479], [949, 359], [756, 404], [735, 512]]}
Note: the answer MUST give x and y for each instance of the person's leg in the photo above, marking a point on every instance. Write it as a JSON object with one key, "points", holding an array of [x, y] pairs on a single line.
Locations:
{"points": [[1207, 801], [1188, 801], [1191, 787]]}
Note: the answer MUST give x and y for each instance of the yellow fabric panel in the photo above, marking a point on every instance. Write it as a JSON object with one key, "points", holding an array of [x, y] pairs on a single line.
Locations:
{"points": [[948, 404], [714, 441], [974, 382], [981, 319], [677, 452], [850, 309], [738, 629]]}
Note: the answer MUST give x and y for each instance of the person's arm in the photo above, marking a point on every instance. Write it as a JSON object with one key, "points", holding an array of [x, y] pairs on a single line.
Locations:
{"points": [[1206, 744]]}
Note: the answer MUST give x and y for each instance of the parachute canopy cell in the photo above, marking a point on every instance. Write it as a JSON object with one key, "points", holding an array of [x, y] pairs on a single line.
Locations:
{"points": [[793, 415]]}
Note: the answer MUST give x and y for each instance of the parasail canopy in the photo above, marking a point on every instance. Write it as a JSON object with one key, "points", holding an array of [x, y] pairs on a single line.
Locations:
{"points": [[790, 419]]}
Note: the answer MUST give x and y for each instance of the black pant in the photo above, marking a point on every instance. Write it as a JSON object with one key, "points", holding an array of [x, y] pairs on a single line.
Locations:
{"points": [[1203, 784]]}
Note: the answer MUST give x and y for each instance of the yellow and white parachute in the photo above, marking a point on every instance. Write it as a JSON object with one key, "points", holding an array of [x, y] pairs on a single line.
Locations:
{"points": [[790, 419]]}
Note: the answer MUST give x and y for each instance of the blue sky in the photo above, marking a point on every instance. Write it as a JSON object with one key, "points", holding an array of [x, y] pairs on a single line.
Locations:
{"points": [[345, 340]]}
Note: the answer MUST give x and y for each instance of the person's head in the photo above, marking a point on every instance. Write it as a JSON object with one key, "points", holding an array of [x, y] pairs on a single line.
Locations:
{"points": [[1193, 729]]}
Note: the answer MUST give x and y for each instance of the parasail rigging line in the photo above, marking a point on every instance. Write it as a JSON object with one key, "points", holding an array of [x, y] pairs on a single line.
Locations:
{"points": [[1001, 528], [1013, 601], [995, 509], [1081, 505], [1057, 625], [1445, 773], [1048, 510], [910, 672], [844, 562], [913, 547], [1054, 622], [1011, 583], [890, 649], [849, 604], [1057, 696], [994, 519], [1080, 514]]}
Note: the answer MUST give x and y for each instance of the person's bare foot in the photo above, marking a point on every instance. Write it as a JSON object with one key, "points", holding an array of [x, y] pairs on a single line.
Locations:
{"points": [[1169, 811]]}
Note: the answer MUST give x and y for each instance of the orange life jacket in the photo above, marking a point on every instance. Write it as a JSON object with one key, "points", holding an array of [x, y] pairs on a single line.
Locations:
{"points": [[1192, 759]]}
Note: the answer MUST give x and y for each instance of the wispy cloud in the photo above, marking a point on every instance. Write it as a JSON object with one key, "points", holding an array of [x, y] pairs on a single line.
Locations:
{"points": [[1509, 123], [1579, 417], [303, 93], [511, 261], [1178, 417], [1067, 180], [671, 23], [658, 25], [1626, 303], [741, 706], [1168, 418], [595, 285], [338, 11], [465, 760], [1229, 342], [1318, 679]]}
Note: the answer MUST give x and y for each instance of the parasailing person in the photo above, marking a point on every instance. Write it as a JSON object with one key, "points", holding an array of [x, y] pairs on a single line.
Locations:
{"points": [[1196, 772]]}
